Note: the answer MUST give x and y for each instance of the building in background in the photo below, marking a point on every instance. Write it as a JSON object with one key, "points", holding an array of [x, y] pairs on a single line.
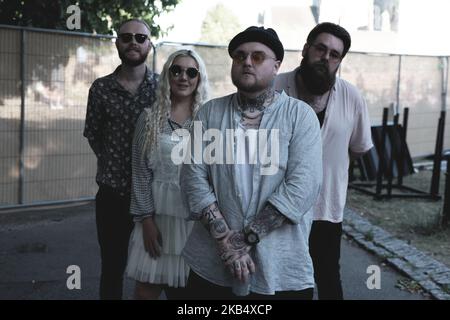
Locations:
{"points": [[381, 26]]}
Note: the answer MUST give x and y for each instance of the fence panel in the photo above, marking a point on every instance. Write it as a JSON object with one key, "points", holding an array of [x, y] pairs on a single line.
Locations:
{"points": [[10, 104], [376, 76], [420, 90], [60, 67]]}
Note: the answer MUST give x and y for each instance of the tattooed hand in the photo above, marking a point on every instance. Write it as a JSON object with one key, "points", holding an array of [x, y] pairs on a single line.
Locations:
{"points": [[231, 245], [242, 267], [234, 253]]}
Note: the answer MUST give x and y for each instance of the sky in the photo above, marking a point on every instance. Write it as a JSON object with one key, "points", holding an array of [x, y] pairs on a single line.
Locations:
{"points": [[421, 30], [188, 16]]}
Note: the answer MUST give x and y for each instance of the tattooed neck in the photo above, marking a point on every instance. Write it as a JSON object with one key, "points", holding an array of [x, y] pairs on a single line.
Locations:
{"points": [[258, 103]]}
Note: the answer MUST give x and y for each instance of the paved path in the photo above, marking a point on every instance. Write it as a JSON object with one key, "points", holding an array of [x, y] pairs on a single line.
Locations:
{"points": [[37, 246], [427, 272]]}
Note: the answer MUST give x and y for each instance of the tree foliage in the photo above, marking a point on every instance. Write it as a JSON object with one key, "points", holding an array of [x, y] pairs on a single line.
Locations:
{"points": [[220, 25], [97, 16]]}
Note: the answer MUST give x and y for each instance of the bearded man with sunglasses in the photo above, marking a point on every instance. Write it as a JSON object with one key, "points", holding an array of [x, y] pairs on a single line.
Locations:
{"points": [[249, 238], [114, 105], [345, 128]]}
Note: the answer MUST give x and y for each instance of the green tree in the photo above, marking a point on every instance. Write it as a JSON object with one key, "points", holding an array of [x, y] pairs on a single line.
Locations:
{"points": [[220, 25], [97, 16]]}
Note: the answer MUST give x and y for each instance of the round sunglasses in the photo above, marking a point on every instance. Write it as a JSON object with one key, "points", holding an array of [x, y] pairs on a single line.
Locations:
{"points": [[257, 57], [176, 70], [128, 37]]}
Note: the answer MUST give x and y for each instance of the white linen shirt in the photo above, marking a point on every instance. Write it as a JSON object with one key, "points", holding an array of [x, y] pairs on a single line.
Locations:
{"points": [[346, 127], [281, 257]]}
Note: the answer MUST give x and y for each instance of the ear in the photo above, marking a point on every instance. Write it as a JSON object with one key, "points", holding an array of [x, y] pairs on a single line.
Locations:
{"points": [[276, 67], [306, 46]]}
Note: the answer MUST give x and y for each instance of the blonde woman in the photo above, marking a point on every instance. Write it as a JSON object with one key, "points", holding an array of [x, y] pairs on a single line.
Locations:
{"points": [[160, 232]]}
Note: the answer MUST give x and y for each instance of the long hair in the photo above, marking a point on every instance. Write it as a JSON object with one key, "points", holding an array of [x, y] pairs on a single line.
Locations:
{"points": [[160, 110]]}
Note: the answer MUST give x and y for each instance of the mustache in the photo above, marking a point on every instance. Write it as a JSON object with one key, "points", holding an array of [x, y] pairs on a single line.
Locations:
{"points": [[322, 66], [133, 48], [316, 76]]}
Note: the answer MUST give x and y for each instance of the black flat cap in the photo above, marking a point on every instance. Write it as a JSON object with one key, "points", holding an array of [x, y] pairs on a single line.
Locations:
{"points": [[258, 34]]}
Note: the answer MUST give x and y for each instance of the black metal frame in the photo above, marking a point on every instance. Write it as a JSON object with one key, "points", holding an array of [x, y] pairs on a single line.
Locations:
{"points": [[446, 207], [407, 192]]}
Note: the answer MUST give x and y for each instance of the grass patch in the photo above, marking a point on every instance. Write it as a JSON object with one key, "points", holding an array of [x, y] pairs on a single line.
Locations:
{"points": [[416, 221]]}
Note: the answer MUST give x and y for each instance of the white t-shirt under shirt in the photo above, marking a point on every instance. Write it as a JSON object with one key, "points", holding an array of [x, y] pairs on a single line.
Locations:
{"points": [[346, 127]]}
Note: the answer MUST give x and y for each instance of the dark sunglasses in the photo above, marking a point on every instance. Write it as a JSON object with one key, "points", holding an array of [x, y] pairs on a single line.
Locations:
{"points": [[128, 37], [176, 71]]}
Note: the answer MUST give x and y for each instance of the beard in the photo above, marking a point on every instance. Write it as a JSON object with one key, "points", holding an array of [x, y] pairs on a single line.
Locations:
{"points": [[252, 86], [132, 62], [316, 76]]}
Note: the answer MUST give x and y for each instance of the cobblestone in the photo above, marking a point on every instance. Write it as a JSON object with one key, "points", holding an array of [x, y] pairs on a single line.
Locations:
{"points": [[431, 275]]}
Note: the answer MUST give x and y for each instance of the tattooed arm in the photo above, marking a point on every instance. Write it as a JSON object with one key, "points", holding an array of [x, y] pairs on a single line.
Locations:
{"points": [[232, 249], [267, 220]]}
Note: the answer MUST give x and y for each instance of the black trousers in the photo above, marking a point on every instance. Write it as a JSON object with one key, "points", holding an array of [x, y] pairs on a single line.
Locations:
{"points": [[325, 251], [114, 226], [200, 289]]}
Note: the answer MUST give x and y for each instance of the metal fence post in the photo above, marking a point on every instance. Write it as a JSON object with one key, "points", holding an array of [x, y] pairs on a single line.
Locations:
{"points": [[446, 206], [154, 57], [441, 129], [22, 116], [444, 83], [399, 74]]}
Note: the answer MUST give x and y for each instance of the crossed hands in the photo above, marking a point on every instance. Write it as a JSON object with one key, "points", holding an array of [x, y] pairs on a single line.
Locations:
{"points": [[234, 253]]}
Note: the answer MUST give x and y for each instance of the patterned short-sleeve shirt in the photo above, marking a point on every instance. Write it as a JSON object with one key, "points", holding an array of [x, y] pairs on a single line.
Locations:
{"points": [[111, 117]]}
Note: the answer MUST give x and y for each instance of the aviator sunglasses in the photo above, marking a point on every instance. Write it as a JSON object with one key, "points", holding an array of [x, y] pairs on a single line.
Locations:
{"points": [[128, 37], [176, 71]]}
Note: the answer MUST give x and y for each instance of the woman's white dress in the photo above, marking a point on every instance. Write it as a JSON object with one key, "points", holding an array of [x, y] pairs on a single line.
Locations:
{"points": [[170, 217]]}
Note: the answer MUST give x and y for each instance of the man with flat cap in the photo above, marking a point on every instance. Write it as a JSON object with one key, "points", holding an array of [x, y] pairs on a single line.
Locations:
{"points": [[260, 161]]}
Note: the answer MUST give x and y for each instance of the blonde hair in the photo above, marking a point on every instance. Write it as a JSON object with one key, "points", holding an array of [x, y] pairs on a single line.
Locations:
{"points": [[160, 110]]}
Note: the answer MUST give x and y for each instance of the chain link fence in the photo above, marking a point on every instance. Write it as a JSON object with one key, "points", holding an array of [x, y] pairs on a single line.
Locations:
{"points": [[45, 78]]}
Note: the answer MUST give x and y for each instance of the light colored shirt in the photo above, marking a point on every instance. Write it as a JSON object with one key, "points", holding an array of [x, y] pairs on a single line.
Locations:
{"points": [[282, 257], [346, 127], [245, 171], [142, 202]]}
